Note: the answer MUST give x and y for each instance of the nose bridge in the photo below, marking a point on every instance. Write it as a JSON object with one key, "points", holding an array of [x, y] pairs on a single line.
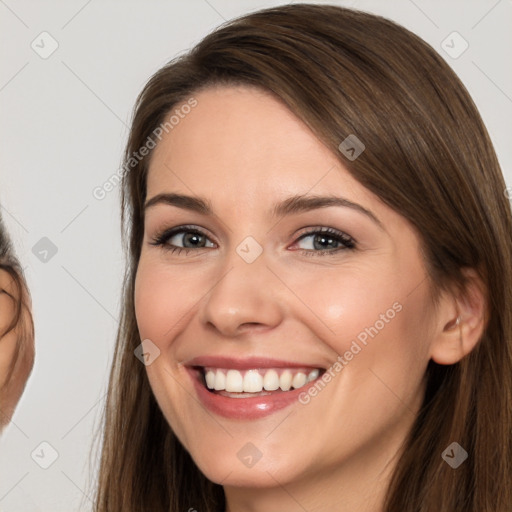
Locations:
{"points": [[244, 292]]}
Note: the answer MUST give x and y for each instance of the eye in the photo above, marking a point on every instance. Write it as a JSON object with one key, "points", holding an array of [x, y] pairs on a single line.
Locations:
{"points": [[323, 238], [190, 237]]}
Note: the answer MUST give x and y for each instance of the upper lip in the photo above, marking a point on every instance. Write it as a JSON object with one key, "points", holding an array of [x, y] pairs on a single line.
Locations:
{"points": [[246, 363]]}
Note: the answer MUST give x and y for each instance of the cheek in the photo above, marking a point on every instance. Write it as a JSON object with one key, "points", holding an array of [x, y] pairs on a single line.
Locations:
{"points": [[161, 299], [344, 302], [374, 317], [380, 331]]}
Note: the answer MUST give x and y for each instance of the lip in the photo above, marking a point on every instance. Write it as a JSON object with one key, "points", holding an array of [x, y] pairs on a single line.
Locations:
{"points": [[244, 408], [248, 363]]}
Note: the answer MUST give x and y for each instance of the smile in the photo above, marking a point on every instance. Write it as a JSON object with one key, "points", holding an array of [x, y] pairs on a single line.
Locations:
{"points": [[252, 388]]}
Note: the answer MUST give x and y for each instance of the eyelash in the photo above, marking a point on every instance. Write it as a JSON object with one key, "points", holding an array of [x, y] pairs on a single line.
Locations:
{"points": [[348, 243]]}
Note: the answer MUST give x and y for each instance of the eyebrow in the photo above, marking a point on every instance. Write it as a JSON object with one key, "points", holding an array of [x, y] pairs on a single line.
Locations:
{"points": [[291, 205]]}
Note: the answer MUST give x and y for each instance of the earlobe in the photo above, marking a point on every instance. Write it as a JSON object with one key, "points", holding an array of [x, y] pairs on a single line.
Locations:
{"points": [[462, 321]]}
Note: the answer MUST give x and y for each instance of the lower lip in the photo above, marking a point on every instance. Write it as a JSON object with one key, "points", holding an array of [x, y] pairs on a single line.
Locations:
{"points": [[244, 408]]}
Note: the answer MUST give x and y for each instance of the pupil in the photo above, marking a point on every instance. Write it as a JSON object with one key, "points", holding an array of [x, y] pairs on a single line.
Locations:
{"points": [[190, 236], [322, 239]]}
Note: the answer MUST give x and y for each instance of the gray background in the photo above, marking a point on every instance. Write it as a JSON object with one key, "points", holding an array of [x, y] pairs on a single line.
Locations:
{"points": [[63, 126]]}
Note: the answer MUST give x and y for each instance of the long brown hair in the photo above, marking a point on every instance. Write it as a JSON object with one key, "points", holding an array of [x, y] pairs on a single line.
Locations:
{"points": [[429, 157]]}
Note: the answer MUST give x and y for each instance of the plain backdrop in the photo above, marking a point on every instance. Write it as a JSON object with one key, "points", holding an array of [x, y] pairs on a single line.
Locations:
{"points": [[64, 122]]}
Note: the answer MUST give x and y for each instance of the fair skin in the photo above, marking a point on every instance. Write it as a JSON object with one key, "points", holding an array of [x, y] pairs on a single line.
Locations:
{"points": [[18, 368], [245, 152]]}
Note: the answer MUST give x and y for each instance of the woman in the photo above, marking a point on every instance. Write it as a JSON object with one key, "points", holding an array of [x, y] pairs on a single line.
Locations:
{"points": [[16, 328], [319, 282]]}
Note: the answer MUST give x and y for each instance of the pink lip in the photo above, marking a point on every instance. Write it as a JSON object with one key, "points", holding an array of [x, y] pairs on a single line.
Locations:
{"points": [[243, 408], [244, 364]]}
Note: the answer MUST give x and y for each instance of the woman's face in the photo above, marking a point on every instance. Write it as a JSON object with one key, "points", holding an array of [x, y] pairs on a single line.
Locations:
{"points": [[254, 293]]}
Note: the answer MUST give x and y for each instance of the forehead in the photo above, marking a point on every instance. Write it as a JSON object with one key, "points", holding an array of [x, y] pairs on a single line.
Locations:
{"points": [[241, 142]]}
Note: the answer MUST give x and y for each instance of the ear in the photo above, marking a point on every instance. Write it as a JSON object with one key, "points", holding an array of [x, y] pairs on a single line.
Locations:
{"points": [[454, 338]]}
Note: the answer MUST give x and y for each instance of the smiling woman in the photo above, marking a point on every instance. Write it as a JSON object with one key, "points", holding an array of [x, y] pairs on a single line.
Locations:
{"points": [[320, 226]]}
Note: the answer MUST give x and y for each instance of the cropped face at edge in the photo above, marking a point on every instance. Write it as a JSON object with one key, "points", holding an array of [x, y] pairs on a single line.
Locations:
{"points": [[333, 301], [14, 369]]}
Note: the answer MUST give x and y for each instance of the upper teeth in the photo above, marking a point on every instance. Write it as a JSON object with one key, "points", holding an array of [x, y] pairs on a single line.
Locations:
{"points": [[255, 381]]}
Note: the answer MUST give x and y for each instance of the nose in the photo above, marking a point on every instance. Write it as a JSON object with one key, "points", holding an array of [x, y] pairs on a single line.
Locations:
{"points": [[244, 297]]}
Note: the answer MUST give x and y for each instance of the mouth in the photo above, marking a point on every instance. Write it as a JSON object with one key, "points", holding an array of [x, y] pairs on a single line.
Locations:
{"points": [[245, 389], [234, 383]]}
